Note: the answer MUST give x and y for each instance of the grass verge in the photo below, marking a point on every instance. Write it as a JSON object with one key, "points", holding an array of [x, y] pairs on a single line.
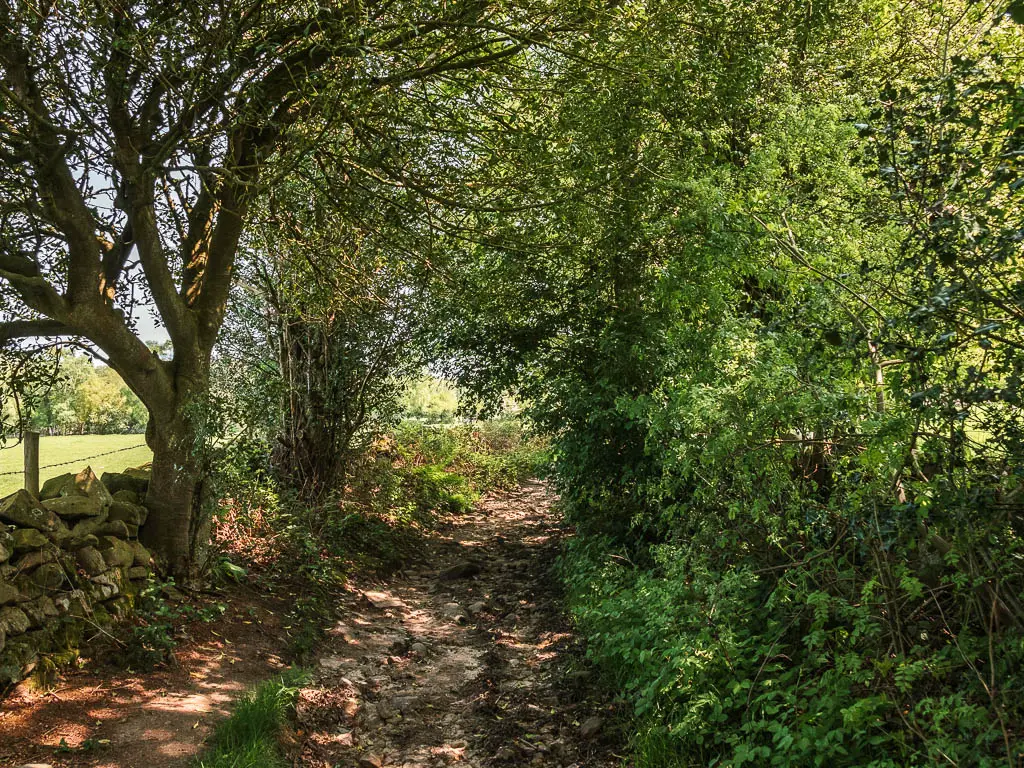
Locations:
{"points": [[249, 738]]}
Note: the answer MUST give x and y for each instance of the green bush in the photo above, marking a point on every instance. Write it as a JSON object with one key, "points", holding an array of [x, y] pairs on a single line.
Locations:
{"points": [[782, 363]]}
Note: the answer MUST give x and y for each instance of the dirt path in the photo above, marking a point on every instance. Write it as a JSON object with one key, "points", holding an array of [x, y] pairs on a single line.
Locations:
{"points": [[467, 661], [105, 717]]}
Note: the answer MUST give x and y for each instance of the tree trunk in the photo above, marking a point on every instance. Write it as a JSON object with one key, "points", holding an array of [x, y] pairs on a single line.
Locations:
{"points": [[173, 504], [309, 457], [177, 521]]}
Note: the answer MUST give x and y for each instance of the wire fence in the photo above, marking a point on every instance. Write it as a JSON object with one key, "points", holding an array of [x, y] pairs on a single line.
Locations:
{"points": [[76, 461]]}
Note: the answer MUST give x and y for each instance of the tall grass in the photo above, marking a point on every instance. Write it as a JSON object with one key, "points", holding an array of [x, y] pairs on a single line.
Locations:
{"points": [[249, 738]]}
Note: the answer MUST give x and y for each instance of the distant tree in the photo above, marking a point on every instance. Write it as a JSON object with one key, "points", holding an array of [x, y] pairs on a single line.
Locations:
{"points": [[427, 398], [54, 408], [84, 398]]}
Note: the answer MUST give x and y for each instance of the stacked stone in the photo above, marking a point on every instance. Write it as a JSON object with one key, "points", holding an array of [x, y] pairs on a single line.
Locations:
{"points": [[68, 560]]}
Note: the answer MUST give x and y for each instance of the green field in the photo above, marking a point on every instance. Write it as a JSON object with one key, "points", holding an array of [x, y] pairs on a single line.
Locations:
{"points": [[72, 453]]}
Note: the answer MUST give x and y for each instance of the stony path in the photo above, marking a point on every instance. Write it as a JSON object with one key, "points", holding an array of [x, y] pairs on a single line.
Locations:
{"points": [[465, 661]]}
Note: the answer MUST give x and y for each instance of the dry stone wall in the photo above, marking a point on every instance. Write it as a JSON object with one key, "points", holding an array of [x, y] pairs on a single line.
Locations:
{"points": [[70, 565]]}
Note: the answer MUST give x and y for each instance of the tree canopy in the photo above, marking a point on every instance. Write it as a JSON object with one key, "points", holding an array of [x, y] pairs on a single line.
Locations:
{"points": [[136, 137]]}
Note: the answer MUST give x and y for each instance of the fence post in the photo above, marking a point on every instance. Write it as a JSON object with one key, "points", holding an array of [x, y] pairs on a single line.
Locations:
{"points": [[32, 463]]}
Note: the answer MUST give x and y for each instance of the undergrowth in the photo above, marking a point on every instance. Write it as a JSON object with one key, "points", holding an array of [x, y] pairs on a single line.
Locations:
{"points": [[394, 495], [490, 455], [158, 622]]}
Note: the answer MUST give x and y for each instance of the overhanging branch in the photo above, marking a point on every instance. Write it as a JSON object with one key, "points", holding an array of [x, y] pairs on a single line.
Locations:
{"points": [[26, 329]]}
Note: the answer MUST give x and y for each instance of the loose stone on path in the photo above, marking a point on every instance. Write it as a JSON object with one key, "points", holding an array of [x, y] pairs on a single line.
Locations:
{"points": [[463, 661]]}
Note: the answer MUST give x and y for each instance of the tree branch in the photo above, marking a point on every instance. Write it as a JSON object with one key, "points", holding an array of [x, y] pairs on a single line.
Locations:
{"points": [[450, 64], [62, 200], [26, 329]]}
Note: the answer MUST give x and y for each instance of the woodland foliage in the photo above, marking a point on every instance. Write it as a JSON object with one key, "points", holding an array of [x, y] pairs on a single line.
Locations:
{"points": [[755, 266], [774, 325]]}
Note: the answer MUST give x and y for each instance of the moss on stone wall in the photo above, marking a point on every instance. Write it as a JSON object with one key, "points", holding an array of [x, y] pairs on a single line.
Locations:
{"points": [[69, 560]]}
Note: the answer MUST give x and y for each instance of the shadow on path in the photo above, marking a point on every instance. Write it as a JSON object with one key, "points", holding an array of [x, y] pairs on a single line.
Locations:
{"points": [[464, 660], [108, 718], [467, 661]]}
